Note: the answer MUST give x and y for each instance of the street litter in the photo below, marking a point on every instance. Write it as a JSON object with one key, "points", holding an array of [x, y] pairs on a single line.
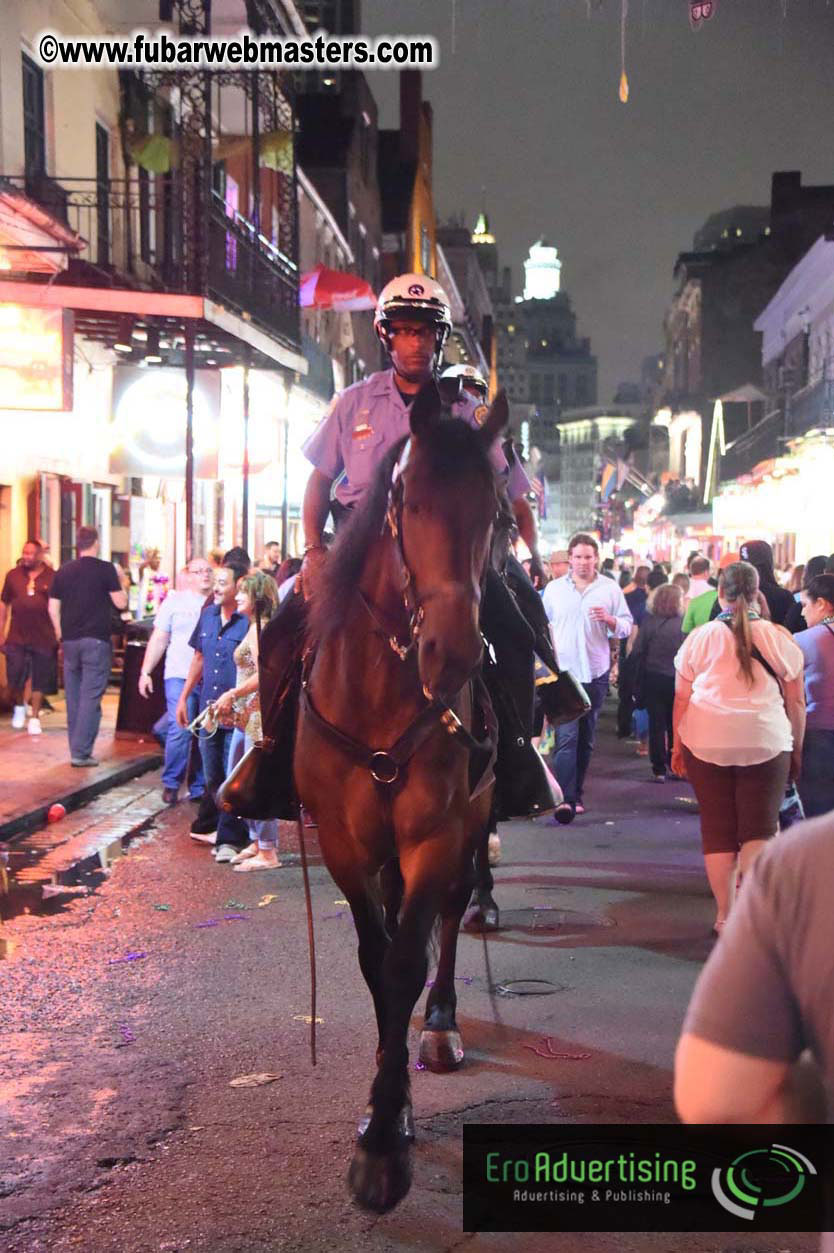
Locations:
{"points": [[548, 1051], [128, 957], [55, 813], [162, 907], [60, 889], [127, 1035], [305, 1018], [268, 899], [253, 1081], [211, 922], [235, 905], [327, 917], [235, 918]]}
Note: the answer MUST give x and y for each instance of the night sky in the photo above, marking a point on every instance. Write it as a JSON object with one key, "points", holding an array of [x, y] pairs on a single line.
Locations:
{"points": [[526, 106]]}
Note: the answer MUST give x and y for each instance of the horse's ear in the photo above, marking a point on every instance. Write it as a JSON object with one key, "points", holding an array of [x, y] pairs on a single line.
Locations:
{"points": [[425, 410], [496, 419]]}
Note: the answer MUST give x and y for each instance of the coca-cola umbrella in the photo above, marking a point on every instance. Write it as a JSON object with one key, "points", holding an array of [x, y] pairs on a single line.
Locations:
{"points": [[322, 288]]}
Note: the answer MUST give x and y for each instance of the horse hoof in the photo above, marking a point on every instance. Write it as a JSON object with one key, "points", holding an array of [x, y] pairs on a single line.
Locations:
{"points": [[405, 1126], [481, 918], [441, 1051], [377, 1181]]}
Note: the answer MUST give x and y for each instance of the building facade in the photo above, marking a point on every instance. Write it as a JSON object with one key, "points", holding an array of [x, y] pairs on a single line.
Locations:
{"points": [[174, 278]]}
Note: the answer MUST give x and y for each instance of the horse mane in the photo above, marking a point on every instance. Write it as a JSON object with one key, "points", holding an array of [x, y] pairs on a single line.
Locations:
{"points": [[452, 449], [346, 559]]}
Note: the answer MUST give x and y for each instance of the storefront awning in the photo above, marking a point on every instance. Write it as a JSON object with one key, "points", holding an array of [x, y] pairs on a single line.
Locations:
{"points": [[105, 305], [32, 240]]}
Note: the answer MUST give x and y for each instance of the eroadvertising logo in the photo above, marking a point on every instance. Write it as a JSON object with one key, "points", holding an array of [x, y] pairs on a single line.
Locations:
{"points": [[749, 1177], [646, 1178]]}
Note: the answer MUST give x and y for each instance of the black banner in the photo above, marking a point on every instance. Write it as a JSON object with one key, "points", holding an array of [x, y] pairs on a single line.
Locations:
{"points": [[647, 1178]]}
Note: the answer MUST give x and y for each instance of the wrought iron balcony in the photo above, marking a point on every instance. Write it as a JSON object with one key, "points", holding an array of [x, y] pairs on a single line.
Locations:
{"points": [[133, 228], [809, 409]]}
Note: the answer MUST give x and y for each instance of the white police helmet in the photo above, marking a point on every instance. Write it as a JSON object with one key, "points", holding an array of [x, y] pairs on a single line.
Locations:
{"points": [[470, 378], [413, 296]]}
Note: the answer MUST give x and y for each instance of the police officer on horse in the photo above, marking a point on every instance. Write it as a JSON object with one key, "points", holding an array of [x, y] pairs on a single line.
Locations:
{"points": [[413, 322]]}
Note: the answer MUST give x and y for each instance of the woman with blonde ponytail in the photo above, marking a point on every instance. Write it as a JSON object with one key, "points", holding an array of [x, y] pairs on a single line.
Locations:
{"points": [[739, 722]]}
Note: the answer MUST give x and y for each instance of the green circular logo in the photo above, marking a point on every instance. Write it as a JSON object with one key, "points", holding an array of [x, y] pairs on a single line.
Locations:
{"points": [[761, 1178]]}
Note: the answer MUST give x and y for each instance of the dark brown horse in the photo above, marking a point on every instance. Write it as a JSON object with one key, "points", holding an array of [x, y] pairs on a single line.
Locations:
{"points": [[394, 627]]}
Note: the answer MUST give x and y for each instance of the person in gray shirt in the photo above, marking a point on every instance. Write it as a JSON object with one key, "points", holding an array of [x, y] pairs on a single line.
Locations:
{"points": [[757, 1044]]}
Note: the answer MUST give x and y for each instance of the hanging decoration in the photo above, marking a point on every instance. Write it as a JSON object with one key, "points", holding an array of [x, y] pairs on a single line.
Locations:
{"points": [[701, 11], [623, 75]]}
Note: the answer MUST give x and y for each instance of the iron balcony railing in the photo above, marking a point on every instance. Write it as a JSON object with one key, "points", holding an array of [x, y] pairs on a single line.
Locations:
{"points": [[809, 409], [133, 227]]}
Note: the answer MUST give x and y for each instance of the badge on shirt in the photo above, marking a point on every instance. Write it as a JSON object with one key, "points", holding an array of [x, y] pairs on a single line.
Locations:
{"points": [[480, 414], [363, 428]]}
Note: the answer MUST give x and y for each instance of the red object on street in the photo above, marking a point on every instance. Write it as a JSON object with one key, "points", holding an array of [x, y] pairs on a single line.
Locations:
{"points": [[322, 288], [55, 813]]}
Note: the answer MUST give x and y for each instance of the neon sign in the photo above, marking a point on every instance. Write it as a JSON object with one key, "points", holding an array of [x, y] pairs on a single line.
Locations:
{"points": [[35, 357]]}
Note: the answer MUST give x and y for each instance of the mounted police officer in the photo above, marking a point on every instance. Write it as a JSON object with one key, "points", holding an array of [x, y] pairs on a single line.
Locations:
{"points": [[413, 321]]}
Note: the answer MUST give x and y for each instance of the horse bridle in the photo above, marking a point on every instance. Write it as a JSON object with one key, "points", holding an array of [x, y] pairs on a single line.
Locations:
{"points": [[385, 765]]}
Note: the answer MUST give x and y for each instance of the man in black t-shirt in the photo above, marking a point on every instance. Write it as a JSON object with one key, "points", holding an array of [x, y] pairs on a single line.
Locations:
{"points": [[80, 601], [779, 600]]}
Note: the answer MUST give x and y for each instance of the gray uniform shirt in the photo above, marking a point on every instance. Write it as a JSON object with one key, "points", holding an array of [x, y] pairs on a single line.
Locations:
{"points": [[768, 987], [366, 419]]}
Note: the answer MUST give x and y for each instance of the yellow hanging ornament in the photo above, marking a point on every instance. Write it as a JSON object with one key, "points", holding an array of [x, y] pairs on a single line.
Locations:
{"points": [[623, 78]]}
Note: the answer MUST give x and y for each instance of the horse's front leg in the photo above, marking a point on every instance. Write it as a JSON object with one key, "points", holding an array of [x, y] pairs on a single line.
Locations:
{"points": [[441, 1046], [373, 945], [380, 1173]]}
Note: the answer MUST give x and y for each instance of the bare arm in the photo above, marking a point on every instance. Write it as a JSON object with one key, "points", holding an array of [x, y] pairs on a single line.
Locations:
{"points": [[683, 692], [795, 708], [316, 506], [526, 524], [195, 673], [154, 653], [54, 608], [714, 1084], [3, 614], [119, 599]]}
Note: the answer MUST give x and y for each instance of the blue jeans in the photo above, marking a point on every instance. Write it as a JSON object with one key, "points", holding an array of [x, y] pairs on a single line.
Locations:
{"points": [[816, 784], [178, 741], [264, 830], [86, 673], [214, 750], [575, 743]]}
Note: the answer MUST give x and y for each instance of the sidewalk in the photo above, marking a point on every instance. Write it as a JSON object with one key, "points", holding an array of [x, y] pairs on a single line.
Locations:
{"points": [[35, 771]]}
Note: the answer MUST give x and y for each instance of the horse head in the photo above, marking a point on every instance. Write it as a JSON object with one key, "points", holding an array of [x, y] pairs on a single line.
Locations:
{"points": [[447, 503]]}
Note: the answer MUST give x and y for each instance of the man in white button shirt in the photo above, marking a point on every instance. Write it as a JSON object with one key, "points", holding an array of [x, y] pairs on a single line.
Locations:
{"points": [[585, 612], [176, 619]]}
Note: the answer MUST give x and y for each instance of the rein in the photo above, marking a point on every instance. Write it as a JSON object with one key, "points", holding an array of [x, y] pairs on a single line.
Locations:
{"points": [[386, 764]]}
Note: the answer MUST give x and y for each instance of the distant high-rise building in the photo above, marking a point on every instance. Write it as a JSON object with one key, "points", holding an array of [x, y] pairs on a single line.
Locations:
{"points": [[542, 272]]}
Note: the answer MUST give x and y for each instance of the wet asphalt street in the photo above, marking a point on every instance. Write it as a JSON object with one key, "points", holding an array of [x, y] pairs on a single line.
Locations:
{"points": [[124, 1018]]}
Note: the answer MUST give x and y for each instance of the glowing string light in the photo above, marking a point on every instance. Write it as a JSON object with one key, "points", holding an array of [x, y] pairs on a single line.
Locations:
{"points": [[623, 75]]}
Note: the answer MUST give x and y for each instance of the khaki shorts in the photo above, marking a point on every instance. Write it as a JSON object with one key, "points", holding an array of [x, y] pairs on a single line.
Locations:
{"points": [[737, 803]]}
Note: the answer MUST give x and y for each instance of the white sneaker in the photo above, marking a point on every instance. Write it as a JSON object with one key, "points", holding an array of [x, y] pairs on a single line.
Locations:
{"points": [[225, 853], [35, 727], [19, 718]]}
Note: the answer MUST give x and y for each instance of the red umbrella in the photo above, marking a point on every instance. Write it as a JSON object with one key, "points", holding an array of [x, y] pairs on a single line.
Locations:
{"points": [[334, 289]]}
